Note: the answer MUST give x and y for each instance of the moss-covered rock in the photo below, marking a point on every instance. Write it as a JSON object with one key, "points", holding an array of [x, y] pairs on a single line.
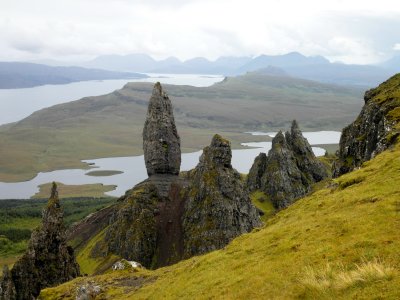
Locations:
{"points": [[376, 128], [48, 260], [289, 170], [218, 207], [133, 233]]}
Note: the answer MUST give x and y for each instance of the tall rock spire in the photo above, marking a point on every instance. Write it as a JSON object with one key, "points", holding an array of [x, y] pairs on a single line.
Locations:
{"points": [[161, 142], [49, 261]]}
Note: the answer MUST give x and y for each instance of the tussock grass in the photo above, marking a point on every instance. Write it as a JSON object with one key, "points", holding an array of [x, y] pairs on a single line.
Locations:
{"points": [[340, 277]]}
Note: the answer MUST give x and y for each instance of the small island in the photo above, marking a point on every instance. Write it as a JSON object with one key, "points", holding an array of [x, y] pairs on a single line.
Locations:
{"points": [[104, 173]]}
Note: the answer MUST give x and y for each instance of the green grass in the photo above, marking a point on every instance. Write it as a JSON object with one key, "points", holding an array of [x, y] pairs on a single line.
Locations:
{"points": [[261, 201], [111, 125], [349, 236], [87, 263]]}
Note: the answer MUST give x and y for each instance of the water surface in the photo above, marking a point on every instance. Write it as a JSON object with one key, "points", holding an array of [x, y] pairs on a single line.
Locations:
{"points": [[134, 170]]}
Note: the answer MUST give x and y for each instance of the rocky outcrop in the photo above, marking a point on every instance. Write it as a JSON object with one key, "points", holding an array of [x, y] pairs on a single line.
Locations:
{"points": [[218, 207], [256, 172], [289, 170], [147, 224], [48, 260], [7, 288], [161, 142], [375, 129], [169, 217]]}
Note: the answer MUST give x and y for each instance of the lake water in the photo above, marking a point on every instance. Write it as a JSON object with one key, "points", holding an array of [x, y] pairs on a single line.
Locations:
{"points": [[16, 104], [134, 170]]}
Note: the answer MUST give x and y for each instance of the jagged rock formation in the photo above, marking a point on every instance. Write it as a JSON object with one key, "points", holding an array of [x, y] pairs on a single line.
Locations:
{"points": [[374, 130], [256, 172], [48, 260], [161, 142], [218, 207], [147, 225], [169, 217], [289, 170], [7, 288]]}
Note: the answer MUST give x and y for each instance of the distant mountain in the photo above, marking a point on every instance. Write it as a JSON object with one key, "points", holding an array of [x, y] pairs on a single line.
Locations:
{"points": [[294, 64], [224, 65], [361, 75], [282, 61], [392, 64], [270, 70], [22, 75], [131, 62]]}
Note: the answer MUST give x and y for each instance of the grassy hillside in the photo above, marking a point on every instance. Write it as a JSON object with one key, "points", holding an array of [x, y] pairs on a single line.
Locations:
{"points": [[341, 242], [111, 125]]}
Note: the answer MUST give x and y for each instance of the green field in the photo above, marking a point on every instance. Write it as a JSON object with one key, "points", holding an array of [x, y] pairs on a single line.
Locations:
{"points": [[111, 125]]}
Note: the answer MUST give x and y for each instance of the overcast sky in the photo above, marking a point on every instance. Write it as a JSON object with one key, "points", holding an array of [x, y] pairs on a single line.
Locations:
{"points": [[341, 30]]}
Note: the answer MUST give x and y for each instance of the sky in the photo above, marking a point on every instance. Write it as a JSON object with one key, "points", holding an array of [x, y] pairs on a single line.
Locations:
{"points": [[352, 31]]}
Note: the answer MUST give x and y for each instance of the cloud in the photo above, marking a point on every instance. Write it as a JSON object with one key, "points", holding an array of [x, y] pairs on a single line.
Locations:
{"points": [[396, 46], [350, 31]]}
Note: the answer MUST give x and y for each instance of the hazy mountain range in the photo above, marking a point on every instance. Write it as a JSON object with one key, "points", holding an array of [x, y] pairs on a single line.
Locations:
{"points": [[293, 64], [23, 75]]}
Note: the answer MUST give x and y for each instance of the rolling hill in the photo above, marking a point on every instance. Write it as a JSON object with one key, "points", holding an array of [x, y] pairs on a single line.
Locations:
{"points": [[22, 75]]}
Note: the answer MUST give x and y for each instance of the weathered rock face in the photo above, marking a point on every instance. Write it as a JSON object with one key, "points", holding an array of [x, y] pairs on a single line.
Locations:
{"points": [[161, 142], [218, 207], [256, 172], [48, 260], [375, 129], [310, 167], [169, 217], [147, 225], [7, 288], [288, 171]]}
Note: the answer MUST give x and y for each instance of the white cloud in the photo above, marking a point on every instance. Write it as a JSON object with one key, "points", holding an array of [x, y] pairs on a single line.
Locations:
{"points": [[351, 31], [396, 46]]}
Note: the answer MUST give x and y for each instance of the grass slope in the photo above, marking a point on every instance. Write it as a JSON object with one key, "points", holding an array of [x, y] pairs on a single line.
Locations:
{"points": [[111, 125], [340, 242]]}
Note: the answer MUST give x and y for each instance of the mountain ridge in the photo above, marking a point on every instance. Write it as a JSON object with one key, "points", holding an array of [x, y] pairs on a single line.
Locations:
{"points": [[24, 75]]}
